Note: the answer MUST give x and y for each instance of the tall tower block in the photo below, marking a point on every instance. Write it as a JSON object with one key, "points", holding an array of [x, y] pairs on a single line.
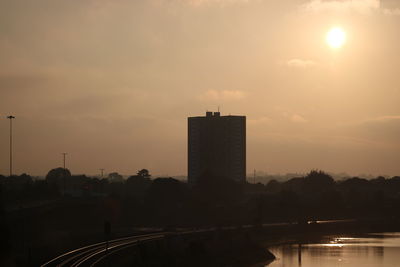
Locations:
{"points": [[217, 146]]}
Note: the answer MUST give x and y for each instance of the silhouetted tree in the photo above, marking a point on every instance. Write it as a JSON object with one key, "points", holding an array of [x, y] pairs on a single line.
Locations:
{"points": [[165, 198], [57, 178], [137, 185], [166, 190], [115, 177], [144, 173], [57, 175], [296, 184], [318, 180], [273, 186], [217, 189]]}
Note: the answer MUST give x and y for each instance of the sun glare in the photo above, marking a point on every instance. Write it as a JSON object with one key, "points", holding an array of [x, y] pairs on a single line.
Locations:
{"points": [[336, 37]]}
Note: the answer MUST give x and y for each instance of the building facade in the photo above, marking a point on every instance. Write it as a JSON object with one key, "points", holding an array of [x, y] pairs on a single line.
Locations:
{"points": [[217, 147]]}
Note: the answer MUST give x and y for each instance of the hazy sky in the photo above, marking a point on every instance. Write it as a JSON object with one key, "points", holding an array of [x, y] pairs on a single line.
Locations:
{"points": [[113, 82]]}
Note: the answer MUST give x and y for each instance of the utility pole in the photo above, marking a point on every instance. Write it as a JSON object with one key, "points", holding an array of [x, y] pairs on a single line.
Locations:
{"points": [[10, 118], [64, 155], [102, 172], [254, 177]]}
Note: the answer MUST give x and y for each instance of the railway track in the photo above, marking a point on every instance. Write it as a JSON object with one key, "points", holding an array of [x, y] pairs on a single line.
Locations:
{"points": [[94, 254]]}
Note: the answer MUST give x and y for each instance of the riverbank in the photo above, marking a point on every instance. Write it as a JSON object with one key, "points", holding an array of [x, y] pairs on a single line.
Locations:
{"points": [[216, 248], [239, 246]]}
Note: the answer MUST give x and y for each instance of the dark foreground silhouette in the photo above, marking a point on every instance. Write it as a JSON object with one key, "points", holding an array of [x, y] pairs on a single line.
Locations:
{"points": [[40, 219]]}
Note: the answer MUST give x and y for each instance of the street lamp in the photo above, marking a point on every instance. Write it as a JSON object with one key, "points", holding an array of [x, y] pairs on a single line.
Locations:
{"points": [[10, 118]]}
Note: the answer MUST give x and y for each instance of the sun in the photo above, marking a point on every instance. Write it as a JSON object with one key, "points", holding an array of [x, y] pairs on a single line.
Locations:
{"points": [[336, 37]]}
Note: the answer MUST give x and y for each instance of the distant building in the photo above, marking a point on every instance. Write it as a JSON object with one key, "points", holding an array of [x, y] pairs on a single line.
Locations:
{"points": [[217, 146]]}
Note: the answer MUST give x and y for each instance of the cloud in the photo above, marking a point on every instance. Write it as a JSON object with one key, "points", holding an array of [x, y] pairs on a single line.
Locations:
{"points": [[361, 6], [298, 118], [382, 119], [384, 129], [300, 63], [223, 95], [391, 12], [259, 121], [198, 3]]}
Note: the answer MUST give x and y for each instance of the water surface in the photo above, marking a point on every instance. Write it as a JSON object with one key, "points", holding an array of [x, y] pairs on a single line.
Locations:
{"points": [[370, 250]]}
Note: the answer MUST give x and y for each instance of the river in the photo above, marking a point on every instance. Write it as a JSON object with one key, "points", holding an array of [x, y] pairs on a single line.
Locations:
{"points": [[369, 250]]}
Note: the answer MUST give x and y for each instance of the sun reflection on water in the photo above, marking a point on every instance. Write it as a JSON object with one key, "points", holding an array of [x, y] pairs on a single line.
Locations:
{"points": [[372, 250]]}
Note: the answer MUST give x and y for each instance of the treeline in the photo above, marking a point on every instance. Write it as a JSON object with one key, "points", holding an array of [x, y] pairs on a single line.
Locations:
{"points": [[141, 200], [319, 196], [41, 218]]}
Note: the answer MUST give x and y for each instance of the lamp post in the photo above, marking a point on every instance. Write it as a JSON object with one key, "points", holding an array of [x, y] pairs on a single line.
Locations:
{"points": [[10, 118]]}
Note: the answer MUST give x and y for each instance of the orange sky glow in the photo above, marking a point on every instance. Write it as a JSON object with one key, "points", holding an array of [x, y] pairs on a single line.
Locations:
{"points": [[112, 83]]}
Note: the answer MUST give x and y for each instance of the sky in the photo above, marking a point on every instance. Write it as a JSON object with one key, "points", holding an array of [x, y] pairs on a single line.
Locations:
{"points": [[112, 83]]}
